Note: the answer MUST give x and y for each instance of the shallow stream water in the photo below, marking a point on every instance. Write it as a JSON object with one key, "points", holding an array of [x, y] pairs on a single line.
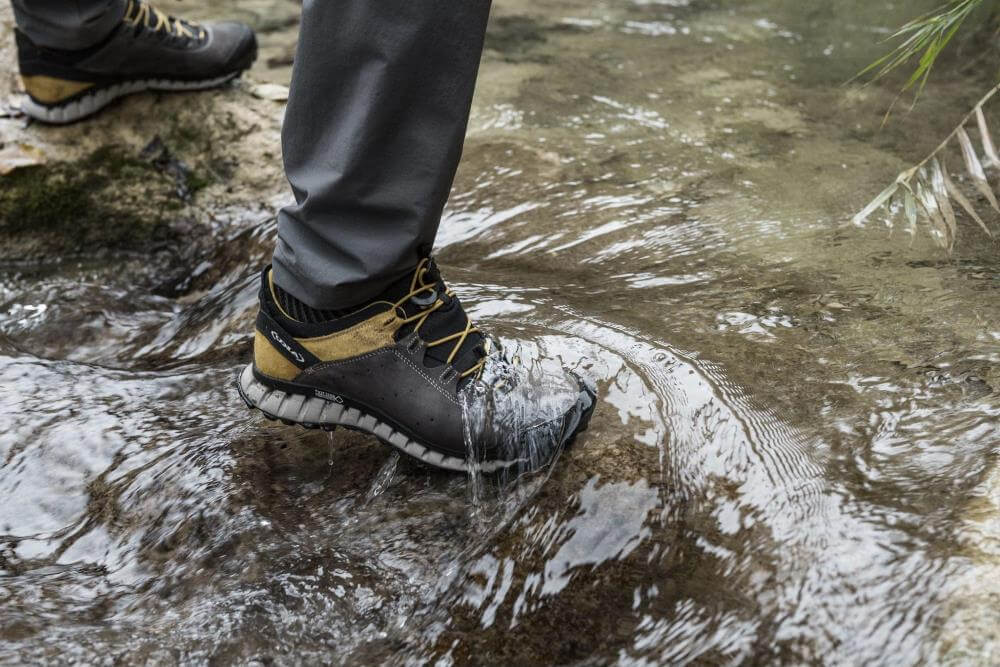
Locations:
{"points": [[795, 454]]}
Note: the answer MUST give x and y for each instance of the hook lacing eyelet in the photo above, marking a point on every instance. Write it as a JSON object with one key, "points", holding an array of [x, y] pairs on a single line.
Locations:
{"points": [[425, 300]]}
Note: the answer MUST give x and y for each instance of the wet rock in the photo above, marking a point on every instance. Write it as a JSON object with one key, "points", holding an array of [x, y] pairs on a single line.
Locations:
{"points": [[152, 173], [107, 200]]}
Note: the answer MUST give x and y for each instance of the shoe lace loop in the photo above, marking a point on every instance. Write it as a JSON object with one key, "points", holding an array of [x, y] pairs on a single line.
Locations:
{"points": [[141, 13], [418, 288]]}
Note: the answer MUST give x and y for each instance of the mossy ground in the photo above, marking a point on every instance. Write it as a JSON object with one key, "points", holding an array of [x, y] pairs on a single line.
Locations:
{"points": [[109, 200]]}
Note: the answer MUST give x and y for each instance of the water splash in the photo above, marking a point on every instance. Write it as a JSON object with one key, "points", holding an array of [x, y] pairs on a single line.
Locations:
{"points": [[473, 416], [520, 412], [384, 477]]}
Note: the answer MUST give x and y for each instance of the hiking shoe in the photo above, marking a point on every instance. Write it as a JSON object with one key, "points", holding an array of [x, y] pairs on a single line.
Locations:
{"points": [[149, 50], [404, 368]]}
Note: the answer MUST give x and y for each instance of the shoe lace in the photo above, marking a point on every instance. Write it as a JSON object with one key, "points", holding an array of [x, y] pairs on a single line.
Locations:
{"points": [[419, 286], [141, 13]]}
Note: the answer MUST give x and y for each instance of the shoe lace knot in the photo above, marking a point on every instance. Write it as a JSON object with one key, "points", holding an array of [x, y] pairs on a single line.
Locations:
{"points": [[139, 13]]}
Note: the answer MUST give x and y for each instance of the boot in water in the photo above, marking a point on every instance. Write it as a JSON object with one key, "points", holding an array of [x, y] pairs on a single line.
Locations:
{"points": [[400, 368]]}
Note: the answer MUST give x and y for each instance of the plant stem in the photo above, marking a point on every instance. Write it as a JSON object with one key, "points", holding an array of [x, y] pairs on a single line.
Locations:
{"points": [[965, 119]]}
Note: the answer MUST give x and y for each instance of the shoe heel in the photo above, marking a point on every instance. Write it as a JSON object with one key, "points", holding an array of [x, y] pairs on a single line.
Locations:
{"points": [[50, 91]]}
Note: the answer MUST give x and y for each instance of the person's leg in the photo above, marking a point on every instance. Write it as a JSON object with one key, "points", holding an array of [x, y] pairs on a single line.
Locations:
{"points": [[356, 327], [68, 24], [377, 113]]}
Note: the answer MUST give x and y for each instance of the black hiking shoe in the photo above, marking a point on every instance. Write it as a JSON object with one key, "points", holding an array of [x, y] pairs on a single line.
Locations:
{"points": [[147, 51], [401, 369]]}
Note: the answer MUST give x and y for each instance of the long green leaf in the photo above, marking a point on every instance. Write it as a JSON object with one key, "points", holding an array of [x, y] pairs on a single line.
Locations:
{"points": [[927, 36]]}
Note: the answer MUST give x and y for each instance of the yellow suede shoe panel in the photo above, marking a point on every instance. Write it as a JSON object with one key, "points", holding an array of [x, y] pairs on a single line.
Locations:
{"points": [[270, 362], [367, 336], [49, 90]]}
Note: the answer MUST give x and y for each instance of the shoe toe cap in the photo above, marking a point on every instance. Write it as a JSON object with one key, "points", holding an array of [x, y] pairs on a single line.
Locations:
{"points": [[235, 45], [533, 432]]}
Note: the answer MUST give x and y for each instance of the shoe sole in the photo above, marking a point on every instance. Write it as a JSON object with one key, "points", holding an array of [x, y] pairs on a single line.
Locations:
{"points": [[94, 101], [314, 412]]}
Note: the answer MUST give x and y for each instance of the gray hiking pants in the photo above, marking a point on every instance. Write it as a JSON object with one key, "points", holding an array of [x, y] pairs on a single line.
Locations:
{"points": [[68, 24], [373, 133], [379, 103]]}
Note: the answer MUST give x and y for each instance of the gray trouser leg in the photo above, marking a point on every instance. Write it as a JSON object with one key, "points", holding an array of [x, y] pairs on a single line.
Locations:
{"points": [[68, 24], [379, 103]]}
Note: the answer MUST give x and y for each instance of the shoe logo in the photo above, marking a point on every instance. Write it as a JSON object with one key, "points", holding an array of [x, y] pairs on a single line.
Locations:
{"points": [[329, 397], [297, 356]]}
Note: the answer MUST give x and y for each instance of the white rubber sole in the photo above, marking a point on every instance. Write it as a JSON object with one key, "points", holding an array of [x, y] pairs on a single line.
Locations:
{"points": [[91, 103], [316, 412]]}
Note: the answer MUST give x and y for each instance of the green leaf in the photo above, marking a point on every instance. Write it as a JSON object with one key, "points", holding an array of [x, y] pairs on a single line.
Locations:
{"points": [[925, 36]]}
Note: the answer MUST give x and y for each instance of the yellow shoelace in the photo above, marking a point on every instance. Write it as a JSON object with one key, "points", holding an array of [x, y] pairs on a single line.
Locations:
{"points": [[459, 337], [156, 20]]}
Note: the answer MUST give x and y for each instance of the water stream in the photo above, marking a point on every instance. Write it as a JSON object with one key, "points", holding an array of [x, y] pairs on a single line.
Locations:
{"points": [[795, 454]]}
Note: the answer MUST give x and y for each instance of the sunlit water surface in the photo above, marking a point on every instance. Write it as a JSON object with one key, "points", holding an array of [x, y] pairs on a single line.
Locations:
{"points": [[793, 458]]}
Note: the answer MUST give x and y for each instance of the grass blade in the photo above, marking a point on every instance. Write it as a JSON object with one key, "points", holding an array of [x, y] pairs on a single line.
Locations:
{"points": [[910, 208], [925, 36], [929, 204], [880, 199], [943, 199], [984, 134], [975, 168], [892, 210], [957, 195]]}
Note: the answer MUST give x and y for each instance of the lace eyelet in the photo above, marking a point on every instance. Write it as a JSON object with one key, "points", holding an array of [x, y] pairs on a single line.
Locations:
{"points": [[425, 301]]}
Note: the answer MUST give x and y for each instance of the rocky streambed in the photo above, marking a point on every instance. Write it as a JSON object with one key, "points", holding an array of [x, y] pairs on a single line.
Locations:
{"points": [[794, 460]]}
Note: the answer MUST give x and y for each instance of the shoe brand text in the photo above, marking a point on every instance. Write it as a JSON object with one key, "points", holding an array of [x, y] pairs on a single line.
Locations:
{"points": [[296, 355]]}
